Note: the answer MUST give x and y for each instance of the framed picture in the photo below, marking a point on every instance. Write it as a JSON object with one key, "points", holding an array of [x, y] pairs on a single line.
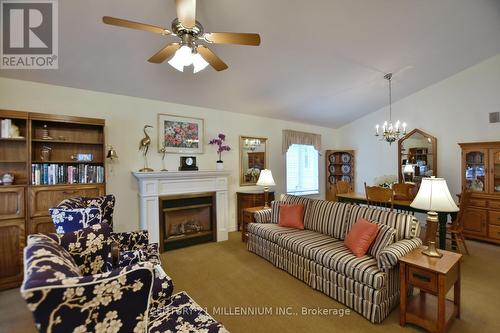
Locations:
{"points": [[180, 134]]}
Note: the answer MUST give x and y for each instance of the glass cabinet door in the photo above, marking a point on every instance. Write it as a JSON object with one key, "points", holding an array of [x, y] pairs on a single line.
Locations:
{"points": [[476, 170], [495, 170]]}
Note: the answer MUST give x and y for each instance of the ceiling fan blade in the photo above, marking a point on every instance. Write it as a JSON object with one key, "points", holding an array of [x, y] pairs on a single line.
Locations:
{"points": [[135, 25], [211, 58], [233, 38], [186, 12], [164, 53]]}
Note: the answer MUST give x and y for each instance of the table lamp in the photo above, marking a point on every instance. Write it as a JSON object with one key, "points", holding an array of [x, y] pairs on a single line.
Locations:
{"points": [[408, 172], [266, 180], [433, 196]]}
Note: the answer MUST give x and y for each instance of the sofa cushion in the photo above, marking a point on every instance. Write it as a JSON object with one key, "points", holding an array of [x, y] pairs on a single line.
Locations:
{"points": [[327, 217], [269, 231], [291, 200], [333, 254], [406, 225], [291, 216], [361, 236]]}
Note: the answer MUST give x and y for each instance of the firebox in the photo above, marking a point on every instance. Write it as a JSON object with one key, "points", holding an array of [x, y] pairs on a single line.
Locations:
{"points": [[187, 219]]}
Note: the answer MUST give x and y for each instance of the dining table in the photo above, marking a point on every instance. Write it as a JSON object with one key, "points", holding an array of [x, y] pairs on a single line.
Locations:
{"points": [[402, 205]]}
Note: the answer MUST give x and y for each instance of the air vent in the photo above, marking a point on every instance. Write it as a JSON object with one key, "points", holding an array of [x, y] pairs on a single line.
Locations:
{"points": [[494, 117]]}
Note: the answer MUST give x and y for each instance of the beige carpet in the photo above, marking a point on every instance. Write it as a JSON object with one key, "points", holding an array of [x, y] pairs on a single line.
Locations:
{"points": [[226, 278]]}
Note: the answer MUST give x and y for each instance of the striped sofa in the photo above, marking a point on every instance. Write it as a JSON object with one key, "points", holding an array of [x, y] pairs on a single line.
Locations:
{"points": [[317, 255]]}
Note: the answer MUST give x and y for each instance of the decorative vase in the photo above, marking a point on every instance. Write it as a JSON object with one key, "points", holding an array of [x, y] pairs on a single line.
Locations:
{"points": [[219, 166]]}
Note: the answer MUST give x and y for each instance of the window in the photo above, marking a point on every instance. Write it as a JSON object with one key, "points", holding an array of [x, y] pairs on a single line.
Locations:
{"points": [[302, 170]]}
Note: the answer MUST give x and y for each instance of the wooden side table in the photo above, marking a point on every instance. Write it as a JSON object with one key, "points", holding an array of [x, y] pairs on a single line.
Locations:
{"points": [[248, 218], [249, 199], [434, 277]]}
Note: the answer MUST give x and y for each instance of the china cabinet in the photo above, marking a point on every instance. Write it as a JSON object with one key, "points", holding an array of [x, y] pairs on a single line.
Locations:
{"points": [[481, 175], [339, 167]]}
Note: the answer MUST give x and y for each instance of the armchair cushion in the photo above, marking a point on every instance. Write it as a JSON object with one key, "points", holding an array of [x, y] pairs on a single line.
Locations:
{"points": [[47, 262], [105, 203], [73, 219], [389, 257], [89, 247], [184, 315], [99, 303]]}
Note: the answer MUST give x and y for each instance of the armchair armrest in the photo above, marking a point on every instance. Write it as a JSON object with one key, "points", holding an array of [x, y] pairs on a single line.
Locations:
{"points": [[389, 256], [92, 303], [129, 241], [263, 216]]}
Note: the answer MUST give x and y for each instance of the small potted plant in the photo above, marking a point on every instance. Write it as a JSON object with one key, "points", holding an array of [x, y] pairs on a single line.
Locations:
{"points": [[219, 141]]}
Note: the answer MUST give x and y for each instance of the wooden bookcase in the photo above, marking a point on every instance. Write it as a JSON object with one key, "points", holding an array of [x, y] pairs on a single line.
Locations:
{"points": [[23, 204], [340, 165]]}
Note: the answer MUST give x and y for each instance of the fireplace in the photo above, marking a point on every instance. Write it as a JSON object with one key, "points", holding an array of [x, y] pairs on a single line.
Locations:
{"points": [[187, 219]]}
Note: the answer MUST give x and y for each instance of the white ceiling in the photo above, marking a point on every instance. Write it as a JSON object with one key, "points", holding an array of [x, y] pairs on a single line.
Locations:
{"points": [[320, 61]]}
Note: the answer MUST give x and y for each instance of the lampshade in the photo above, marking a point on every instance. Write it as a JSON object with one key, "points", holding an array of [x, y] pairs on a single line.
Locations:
{"points": [[185, 56], [434, 195], [408, 168], [266, 178]]}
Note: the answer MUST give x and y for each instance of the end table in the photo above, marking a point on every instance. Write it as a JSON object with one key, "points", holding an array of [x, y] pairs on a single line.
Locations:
{"points": [[434, 277], [248, 218]]}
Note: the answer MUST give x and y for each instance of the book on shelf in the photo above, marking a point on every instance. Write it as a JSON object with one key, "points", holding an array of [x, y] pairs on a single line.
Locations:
{"points": [[5, 128], [52, 174]]}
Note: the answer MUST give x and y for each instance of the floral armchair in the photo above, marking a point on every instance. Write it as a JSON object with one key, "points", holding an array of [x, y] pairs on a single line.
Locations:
{"points": [[69, 287]]}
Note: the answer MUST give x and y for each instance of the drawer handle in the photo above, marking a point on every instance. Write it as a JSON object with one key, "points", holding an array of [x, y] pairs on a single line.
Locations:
{"points": [[69, 192], [422, 277]]}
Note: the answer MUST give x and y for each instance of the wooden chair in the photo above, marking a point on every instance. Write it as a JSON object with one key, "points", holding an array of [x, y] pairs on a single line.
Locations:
{"points": [[343, 187], [455, 229], [404, 191], [379, 197]]}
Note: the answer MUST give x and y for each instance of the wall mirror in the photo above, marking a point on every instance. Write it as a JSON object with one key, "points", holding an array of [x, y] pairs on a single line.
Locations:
{"points": [[417, 156], [253, 159]]}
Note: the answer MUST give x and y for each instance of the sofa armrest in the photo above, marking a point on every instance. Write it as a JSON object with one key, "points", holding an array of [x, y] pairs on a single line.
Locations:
{"points": [[263, 216], [389, 256]]}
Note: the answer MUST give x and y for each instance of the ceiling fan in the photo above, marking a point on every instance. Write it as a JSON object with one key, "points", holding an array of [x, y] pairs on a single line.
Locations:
{"points": [[188, 51]]}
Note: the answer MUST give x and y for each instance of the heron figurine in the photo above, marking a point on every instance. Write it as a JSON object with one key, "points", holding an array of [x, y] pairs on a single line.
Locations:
{"points": [[144, 148]]}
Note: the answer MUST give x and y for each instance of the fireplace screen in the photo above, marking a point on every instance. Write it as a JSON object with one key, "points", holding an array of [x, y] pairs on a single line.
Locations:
{"points": [[187, 219]]}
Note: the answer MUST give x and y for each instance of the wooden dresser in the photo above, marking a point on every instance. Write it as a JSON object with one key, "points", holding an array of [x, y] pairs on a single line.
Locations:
{"points": [[481, 174], [24, 204], [248, 199]]}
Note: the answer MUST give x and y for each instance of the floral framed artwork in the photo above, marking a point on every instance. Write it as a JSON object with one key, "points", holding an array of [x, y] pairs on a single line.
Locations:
{"points": [[180, 134]]}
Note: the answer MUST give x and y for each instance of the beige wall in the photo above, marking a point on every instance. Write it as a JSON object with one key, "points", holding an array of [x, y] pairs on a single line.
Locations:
{"points": [[454, 110], [125, 116]]}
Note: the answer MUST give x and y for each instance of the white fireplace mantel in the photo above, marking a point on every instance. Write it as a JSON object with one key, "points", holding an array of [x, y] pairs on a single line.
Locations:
{"points": [[153, 185]]}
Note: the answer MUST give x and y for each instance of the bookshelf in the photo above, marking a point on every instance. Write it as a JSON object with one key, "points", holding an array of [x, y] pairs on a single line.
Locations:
{"points": [[41, 181]]}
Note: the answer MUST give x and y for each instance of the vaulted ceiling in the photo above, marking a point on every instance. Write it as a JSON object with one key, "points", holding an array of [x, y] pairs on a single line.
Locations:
{"points": [[320, 61]]}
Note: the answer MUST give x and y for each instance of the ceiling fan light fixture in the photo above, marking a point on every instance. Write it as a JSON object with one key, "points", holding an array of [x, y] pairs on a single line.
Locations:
{"points": [[199, 63], [182, 57]]}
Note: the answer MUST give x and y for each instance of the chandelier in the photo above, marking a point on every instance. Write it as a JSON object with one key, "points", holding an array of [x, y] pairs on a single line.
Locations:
{"points": [[251, 144], [390, 132]]}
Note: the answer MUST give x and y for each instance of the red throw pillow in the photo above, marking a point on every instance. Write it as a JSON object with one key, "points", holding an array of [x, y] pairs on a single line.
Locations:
{"points": [[361, 236], [291, 216]]}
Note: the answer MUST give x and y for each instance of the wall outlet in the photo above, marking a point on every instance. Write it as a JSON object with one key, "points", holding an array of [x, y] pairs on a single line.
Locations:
{"points": [[494, 117]]}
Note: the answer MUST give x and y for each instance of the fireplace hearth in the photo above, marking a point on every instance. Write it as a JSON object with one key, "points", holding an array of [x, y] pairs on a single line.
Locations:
{"points": [[187, 219]]}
